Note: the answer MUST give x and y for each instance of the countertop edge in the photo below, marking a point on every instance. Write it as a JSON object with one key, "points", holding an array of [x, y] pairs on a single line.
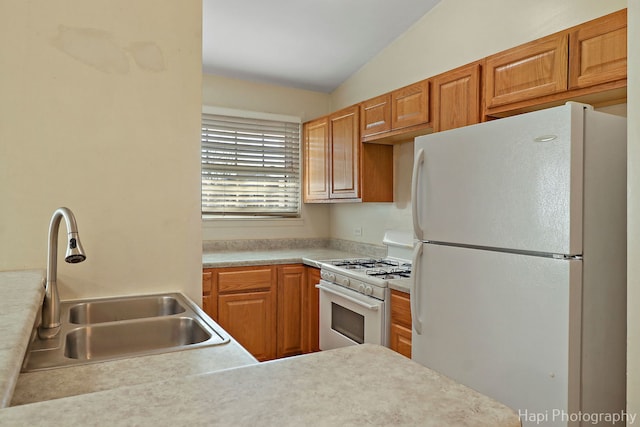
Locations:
{"points": [[21, 295]]}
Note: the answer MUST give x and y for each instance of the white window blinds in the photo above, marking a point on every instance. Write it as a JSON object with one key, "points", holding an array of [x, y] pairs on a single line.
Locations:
{"points": [[250, 167]]}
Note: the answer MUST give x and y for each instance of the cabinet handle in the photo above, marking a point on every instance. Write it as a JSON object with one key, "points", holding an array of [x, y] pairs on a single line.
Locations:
{"points": [[347, 297]]}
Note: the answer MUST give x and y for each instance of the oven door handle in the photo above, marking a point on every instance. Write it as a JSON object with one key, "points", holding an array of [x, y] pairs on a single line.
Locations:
{"points": [[329, 290]]}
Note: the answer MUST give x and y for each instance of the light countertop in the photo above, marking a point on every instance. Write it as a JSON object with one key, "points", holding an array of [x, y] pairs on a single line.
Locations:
{"points": [[74, 380], [336, 387], [307, 256]]}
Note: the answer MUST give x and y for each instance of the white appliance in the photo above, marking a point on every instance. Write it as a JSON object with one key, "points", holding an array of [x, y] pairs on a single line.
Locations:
{"points": [[354, 294], [520, 275]]}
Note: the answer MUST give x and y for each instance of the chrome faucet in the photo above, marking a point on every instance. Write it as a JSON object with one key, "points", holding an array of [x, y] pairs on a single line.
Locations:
{"points": [[50, 325]]}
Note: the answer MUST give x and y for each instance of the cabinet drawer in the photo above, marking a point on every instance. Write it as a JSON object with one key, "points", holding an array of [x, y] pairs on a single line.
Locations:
{"points": [[245, 279], [400, 308]]}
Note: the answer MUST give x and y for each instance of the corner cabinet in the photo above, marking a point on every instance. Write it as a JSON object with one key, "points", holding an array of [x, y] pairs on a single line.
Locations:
{"points": [[271, 310], [338, 167]]}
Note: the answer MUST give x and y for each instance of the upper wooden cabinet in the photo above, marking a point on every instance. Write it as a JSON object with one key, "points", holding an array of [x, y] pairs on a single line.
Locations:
{"points": [[456, 98], [410, 106], [398, 115], [339, 168], [585, 63], [528, 71], [376, 115], [598, 51], [344, 143], [316, 160]]}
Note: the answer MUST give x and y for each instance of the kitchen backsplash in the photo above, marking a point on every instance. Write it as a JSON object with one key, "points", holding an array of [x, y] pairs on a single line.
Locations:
{"points": [[273, 244]]}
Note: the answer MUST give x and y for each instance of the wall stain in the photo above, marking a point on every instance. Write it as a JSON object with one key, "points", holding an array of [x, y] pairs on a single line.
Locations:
{"points": [[96, 48], [147, 55], [100, 50]]}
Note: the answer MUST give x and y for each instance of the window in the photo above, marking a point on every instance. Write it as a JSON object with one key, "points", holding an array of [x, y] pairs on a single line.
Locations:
{"points": [[250, 166]]}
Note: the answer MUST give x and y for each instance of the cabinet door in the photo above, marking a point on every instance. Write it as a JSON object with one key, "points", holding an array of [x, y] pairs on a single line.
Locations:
{"points": [[456, 98], [291, 310], [250, 319], [400, 333], [312, 321], [376, 115], [316, 160], [344, 128], [400, 340], [528, 71], [208, 298], [410, 105], [598, 51]]}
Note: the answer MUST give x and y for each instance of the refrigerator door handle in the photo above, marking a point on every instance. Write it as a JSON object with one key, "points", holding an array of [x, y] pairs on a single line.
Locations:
{"points": [[417, 166], [414, 297]]}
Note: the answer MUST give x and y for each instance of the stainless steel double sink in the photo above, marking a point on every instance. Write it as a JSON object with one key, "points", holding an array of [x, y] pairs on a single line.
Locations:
{"points": [[104, 329]]}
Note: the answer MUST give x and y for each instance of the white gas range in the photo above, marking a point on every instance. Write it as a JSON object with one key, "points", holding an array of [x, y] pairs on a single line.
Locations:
{"points": [[354, 294]]}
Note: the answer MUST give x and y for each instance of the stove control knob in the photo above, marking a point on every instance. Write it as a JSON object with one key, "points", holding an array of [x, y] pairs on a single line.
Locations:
{"points": [[329, 276], [346, 282], [361, 287], [368, 290]]}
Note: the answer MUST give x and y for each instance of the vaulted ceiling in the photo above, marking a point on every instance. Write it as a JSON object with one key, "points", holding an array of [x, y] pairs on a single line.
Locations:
{"points": [[306, 44]]}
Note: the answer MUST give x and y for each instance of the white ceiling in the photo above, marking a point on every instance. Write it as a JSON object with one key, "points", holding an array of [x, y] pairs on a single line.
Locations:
{"points": [[306, 44]]}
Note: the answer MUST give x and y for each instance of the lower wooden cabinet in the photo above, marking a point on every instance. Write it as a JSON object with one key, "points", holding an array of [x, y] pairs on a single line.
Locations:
{"points": [[312, 319], [207, 300], [400, 330], [267, 309], [249, 318], [291, 310]]}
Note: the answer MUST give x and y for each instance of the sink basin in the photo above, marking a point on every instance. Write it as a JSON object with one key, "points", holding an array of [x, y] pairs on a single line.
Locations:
{"points": [[120, 338], [106, 329], [111, 310]]}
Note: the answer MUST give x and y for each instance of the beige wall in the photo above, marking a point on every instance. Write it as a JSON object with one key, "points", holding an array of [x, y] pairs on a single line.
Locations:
{"points": [[99, 111], [633, 206], [243, 95], [454, 33]]}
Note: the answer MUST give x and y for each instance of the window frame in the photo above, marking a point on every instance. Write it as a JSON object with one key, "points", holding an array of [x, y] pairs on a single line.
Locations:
{"points": [[246, 114]]}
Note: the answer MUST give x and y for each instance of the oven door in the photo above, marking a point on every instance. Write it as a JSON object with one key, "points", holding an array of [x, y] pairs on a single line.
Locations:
{"points": [[349, 318]]}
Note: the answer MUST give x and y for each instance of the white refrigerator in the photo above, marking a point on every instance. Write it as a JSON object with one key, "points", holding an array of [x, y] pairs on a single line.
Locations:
{"points": [[520, 266]]}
